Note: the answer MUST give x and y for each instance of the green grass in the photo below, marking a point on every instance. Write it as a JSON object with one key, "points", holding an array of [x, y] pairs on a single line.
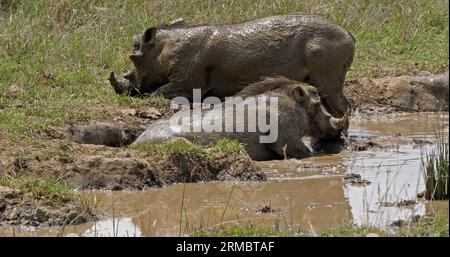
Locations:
{"points": [[44, 189], [431, 226], [173, 147], [181, 146], [225, 146], [60, 53], [249, 230], [50, 191], [434, 226], [435, 171]]}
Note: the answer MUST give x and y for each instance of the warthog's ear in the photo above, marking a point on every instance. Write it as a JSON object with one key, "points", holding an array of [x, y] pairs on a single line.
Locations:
{"points": [[149, 36], [299, 94]]}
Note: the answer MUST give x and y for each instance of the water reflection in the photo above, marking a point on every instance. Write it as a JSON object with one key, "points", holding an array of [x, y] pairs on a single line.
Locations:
{"points": [[114, 228], [395, 172]]}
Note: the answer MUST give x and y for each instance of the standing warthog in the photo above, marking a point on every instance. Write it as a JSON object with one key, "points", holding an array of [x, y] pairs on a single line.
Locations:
{"points": [[222, 60], [300, 113]]}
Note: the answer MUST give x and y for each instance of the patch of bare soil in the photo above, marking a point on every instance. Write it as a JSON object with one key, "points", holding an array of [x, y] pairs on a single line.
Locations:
{"points": [[19, 208], [355, 179], [404, 93]]}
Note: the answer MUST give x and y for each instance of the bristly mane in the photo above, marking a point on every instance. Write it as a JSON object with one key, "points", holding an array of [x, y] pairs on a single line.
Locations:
{"points": [[265, 85]]}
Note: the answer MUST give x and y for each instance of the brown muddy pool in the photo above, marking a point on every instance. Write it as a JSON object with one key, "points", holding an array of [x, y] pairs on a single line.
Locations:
{"points": [[308, 194]]}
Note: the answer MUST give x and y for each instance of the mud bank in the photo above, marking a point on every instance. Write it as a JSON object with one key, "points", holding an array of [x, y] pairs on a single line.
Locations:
{"points": [[82, 167], [128, 169], [20, 208], [399, 94]]}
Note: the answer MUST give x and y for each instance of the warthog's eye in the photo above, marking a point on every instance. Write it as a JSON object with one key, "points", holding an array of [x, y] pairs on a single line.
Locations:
{"points": [[136, 46]]}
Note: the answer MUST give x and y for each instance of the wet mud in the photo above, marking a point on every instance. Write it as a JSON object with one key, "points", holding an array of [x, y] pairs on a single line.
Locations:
{"points": [[312, 193]]}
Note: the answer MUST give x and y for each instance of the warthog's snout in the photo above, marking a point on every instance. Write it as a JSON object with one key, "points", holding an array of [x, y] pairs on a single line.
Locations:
{"points": [[136, 57]]}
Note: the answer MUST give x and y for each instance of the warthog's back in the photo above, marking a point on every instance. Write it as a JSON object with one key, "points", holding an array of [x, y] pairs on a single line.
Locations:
{"points": [[284, 24], [274, 32], [238, 54]]}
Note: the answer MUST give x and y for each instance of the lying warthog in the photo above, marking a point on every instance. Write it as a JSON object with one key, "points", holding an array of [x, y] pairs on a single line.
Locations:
{"points": [[299, 113], [102, 133], [222, 60]]}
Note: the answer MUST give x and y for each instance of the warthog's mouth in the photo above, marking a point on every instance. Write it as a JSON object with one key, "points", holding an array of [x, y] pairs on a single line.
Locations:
{"points": [[147, 85], [128, 85]]}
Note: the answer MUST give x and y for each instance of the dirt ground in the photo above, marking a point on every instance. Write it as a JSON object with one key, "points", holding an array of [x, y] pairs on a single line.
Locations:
{"points": [[428, 93]]}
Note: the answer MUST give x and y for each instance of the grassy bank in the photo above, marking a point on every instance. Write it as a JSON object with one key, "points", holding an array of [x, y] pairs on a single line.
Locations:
{"points": [[43, 189], [58, 54], [433, 226], [49, 191]]}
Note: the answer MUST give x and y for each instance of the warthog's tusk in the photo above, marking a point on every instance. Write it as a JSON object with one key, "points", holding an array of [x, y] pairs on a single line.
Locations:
{"points": [[338, 124], [115, 84]]}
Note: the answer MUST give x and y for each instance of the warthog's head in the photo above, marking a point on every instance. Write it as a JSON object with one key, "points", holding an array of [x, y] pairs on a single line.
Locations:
{"points": [[149, 73], [321, 123]]}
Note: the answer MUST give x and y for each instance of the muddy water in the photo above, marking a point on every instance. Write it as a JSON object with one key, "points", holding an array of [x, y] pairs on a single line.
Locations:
{"points": [[308, 194], [395, 172]]}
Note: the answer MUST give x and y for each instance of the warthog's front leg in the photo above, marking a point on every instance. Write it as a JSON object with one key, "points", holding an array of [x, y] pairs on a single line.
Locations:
{"points": [[173, 89], [294, 149]]}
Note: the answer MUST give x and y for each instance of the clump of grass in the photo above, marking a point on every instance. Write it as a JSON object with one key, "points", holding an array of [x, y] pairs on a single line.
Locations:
{"points": [[182, 146], [87, 201], [174, 147], [435, 171], [50, 191], [253, 230], [348, 230], [247, 230], [8, 5], [225, 146], [157, 101], [51, 152], [436, 225], [44, 189]]}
